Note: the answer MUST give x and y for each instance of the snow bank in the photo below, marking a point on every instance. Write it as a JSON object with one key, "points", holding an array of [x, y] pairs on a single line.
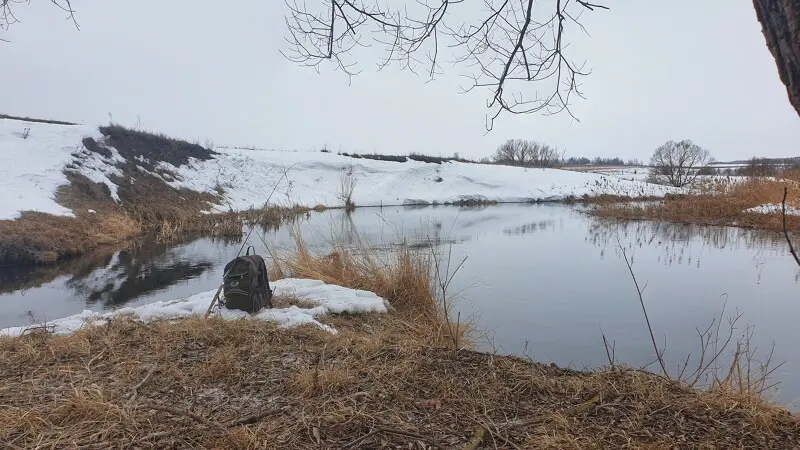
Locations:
{"points": [[32, 158], [770, 208], [329, 298], [311, 178]]}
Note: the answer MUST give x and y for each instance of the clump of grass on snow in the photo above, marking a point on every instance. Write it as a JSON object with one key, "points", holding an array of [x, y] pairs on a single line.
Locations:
{"points": [[404, 276]]}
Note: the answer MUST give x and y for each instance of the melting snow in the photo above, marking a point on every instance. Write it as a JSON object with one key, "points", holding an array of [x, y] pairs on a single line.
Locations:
{"points": [[329, 298]]}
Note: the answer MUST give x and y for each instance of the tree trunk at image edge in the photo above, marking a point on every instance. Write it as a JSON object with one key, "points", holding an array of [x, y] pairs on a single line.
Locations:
{"points": [[780, 23]]}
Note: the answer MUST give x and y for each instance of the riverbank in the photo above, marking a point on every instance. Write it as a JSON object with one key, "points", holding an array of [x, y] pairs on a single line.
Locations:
{"points": [[395, 377], [747, 203], [246, 384]]}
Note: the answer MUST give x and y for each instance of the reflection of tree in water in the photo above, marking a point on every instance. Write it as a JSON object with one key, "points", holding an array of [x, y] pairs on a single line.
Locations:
{"points": [[132, 273], [531, 228], [682, 243]]}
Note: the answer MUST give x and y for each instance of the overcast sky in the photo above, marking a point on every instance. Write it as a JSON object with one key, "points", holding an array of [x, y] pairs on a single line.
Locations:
{"points": [[211, 70]]}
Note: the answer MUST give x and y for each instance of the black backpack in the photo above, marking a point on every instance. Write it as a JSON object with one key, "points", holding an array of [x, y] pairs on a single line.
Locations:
{"points": [[245, 283]]}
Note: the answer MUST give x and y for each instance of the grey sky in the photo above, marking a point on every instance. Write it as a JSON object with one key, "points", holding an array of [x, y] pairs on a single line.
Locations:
{"points": [[199, 69]]}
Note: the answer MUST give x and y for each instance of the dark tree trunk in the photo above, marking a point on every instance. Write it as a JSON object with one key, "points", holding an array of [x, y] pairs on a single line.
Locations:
{"points": [[780, 23]]}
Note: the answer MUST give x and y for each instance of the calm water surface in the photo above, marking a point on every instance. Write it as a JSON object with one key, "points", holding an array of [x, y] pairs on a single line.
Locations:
{"points": [[545, 281]]}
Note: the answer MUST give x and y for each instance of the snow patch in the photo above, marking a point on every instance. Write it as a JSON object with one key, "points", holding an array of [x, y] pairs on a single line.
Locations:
{"points": [[31, 169], [97, 168], [329, 299], [771, 208]]}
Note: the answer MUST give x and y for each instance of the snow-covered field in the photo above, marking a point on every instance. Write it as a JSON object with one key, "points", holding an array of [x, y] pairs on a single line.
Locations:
{"points": [[329, 298], [32, 164]]}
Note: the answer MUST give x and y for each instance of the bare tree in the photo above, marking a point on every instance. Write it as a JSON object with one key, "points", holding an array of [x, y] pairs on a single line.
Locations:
{"points": [[519, 152], [513, 152], [679, 162]]}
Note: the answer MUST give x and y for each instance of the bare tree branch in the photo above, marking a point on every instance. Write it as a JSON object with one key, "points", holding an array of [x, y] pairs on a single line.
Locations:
{"points": [[501, 52], [8, 18], [659, 352]]}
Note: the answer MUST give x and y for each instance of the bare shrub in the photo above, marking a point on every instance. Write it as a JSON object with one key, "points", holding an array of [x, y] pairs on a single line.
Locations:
{"points": [[742, 373], [347, 185], [679, 163]]}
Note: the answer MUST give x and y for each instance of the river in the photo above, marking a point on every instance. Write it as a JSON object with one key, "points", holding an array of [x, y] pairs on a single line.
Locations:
{"points": [[545, 281]]}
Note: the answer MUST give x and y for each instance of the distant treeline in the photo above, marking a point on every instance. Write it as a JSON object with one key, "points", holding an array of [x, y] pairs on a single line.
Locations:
{"points": [[616, 161], [514, 152], [761, 167]]}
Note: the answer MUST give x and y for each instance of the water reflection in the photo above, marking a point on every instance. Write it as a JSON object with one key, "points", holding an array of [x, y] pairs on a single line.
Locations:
{"points": [[532, 227], [544, 279], [684, 243]]}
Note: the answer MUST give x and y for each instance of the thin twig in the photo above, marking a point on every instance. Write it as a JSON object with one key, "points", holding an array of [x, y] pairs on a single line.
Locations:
{"points": [[252, 418], [361, 439], [659, 354], [135, 390], [179, 412]]}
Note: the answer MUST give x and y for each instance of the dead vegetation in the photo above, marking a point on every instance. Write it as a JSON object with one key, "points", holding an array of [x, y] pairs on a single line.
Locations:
{"points": [[403, 276], [246, 384], [720, 203], [44, 238]]}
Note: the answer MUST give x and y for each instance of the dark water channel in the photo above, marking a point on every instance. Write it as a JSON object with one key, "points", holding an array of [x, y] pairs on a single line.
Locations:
{"points": [[540, 280]]}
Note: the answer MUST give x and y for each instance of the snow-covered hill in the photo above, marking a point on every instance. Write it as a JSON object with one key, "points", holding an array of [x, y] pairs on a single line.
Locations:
{"points": [[316, 178], [34, 156]]}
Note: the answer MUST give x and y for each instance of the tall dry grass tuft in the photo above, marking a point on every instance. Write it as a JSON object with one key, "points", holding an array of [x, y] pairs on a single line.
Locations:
{"points": [[404, 276]]}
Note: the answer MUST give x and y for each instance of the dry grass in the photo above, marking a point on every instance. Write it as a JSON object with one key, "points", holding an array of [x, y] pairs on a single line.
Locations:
{"points": [[403, 276], [43, 238], [246, 384], [717, 204]]}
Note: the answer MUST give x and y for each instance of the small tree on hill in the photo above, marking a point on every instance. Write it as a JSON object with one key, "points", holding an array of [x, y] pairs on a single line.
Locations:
{"points": [[679, 163]]}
